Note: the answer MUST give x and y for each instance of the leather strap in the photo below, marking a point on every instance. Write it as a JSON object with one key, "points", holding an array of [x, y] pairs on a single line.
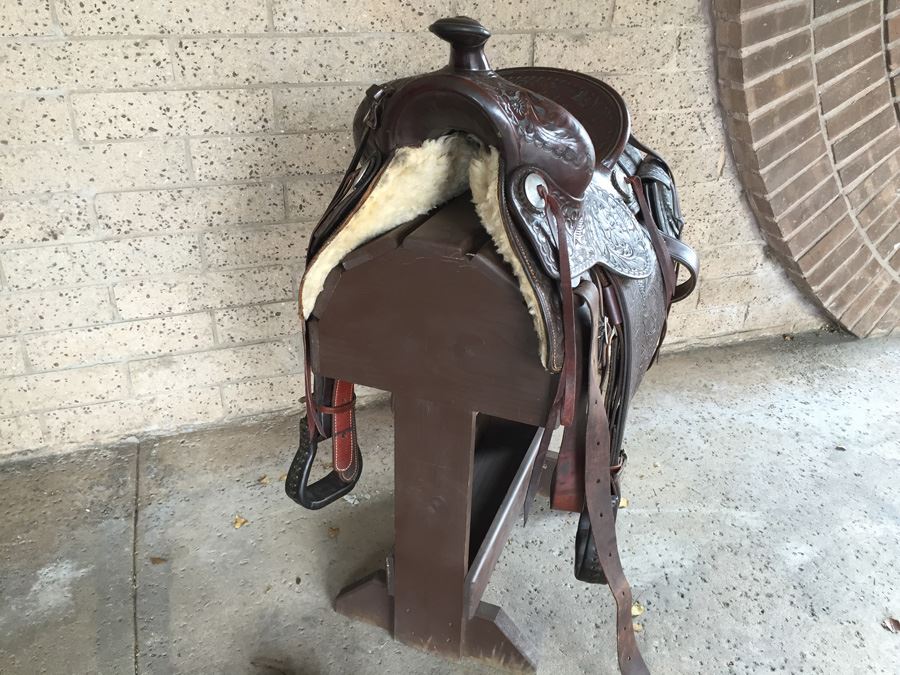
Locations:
{"points": [[659, 246], [599, 494], [375, 96], [676, 202], [562, 410], [567, 375], [567, 486], [684, 255]]}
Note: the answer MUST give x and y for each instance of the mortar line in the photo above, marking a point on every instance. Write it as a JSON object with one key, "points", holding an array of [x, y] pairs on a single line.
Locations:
{"points": [[173, 58], [234, 136], [344, 36], [887, 208], [275, 124], [54, 19], [846, 42], [134, 553], [26, 360], [852, 100], [837, 13], [73, 118], [859, 122], [217, 341], [859, 180], [160, 187], [188, 160], [111, 292], [270, 17]]}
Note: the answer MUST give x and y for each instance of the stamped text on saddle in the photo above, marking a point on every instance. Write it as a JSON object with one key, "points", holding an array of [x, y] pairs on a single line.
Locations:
{"points": [[587, 225]]}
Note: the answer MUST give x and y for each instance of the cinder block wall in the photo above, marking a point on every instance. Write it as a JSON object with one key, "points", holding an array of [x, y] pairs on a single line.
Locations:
{"points": [[163, 161]]}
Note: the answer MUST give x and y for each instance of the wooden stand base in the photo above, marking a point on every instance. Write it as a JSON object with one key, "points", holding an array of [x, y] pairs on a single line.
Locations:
{"points": [[489, 635]]}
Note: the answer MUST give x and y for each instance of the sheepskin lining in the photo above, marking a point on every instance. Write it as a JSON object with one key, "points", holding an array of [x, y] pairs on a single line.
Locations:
{"points": [[484, 181], [415, 181]]}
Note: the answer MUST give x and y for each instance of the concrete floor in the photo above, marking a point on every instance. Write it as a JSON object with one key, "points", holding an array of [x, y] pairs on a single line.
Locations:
{"points": [[762, 534]]}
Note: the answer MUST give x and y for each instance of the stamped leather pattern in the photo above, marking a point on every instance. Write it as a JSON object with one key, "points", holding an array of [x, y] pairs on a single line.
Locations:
{"points": [[601, 228]]}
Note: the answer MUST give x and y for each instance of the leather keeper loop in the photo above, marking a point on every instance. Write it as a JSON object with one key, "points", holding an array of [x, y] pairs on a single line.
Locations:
{"points": [[337, 409]]}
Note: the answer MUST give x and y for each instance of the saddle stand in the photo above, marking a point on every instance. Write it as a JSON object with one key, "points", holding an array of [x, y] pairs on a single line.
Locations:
{"points": [[430, 313]]}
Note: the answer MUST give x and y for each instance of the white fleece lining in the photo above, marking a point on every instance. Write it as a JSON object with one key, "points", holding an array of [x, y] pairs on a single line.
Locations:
{"points": [[484, 181], [415, 181]]}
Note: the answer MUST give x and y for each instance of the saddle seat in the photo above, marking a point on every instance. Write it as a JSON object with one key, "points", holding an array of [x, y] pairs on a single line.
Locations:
{"points": [[599, 108]]}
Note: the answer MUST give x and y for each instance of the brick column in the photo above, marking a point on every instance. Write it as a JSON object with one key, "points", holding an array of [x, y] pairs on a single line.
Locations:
{"points": [[808, 89]]}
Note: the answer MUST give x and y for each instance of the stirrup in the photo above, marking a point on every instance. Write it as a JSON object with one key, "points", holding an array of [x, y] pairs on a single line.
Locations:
{"points": [[323, 491]]}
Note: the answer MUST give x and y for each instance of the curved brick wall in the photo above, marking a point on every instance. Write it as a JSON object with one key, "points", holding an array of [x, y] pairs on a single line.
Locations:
{"points": [[809, 89]]}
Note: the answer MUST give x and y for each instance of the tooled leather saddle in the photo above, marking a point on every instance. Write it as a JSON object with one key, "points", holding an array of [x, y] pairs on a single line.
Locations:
{"points": [[587, 219]]}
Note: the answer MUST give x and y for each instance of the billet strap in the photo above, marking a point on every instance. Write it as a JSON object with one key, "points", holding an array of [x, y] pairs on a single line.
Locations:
{"points": [[357, 176], [567, 374], [665, 166], [599, 491], [567, 487]]}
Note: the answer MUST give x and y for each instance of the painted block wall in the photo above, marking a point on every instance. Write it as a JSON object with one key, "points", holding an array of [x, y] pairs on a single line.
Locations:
{"points": [[163, 163]]}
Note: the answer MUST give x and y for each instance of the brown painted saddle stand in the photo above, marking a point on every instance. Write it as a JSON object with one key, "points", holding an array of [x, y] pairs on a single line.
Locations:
{"points": [[588, 221]]}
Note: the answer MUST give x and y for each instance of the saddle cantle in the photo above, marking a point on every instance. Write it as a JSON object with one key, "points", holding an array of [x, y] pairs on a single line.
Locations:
{"points": [[588, 221]]}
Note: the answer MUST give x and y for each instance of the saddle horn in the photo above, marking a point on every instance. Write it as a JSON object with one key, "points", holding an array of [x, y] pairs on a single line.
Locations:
{"points": [[467, 38], [467, 96]]}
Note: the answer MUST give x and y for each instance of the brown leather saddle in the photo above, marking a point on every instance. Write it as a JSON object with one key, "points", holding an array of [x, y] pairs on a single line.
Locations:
{"points": [[588, 221]]}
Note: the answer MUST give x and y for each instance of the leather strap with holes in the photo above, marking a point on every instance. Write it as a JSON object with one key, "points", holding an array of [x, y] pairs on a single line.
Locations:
{"points": [[599, 490]]}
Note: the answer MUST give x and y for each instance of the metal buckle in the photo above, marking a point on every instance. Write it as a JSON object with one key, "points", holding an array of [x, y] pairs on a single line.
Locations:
{"points": [[617, 469], [377, 94], [606, 337]]}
